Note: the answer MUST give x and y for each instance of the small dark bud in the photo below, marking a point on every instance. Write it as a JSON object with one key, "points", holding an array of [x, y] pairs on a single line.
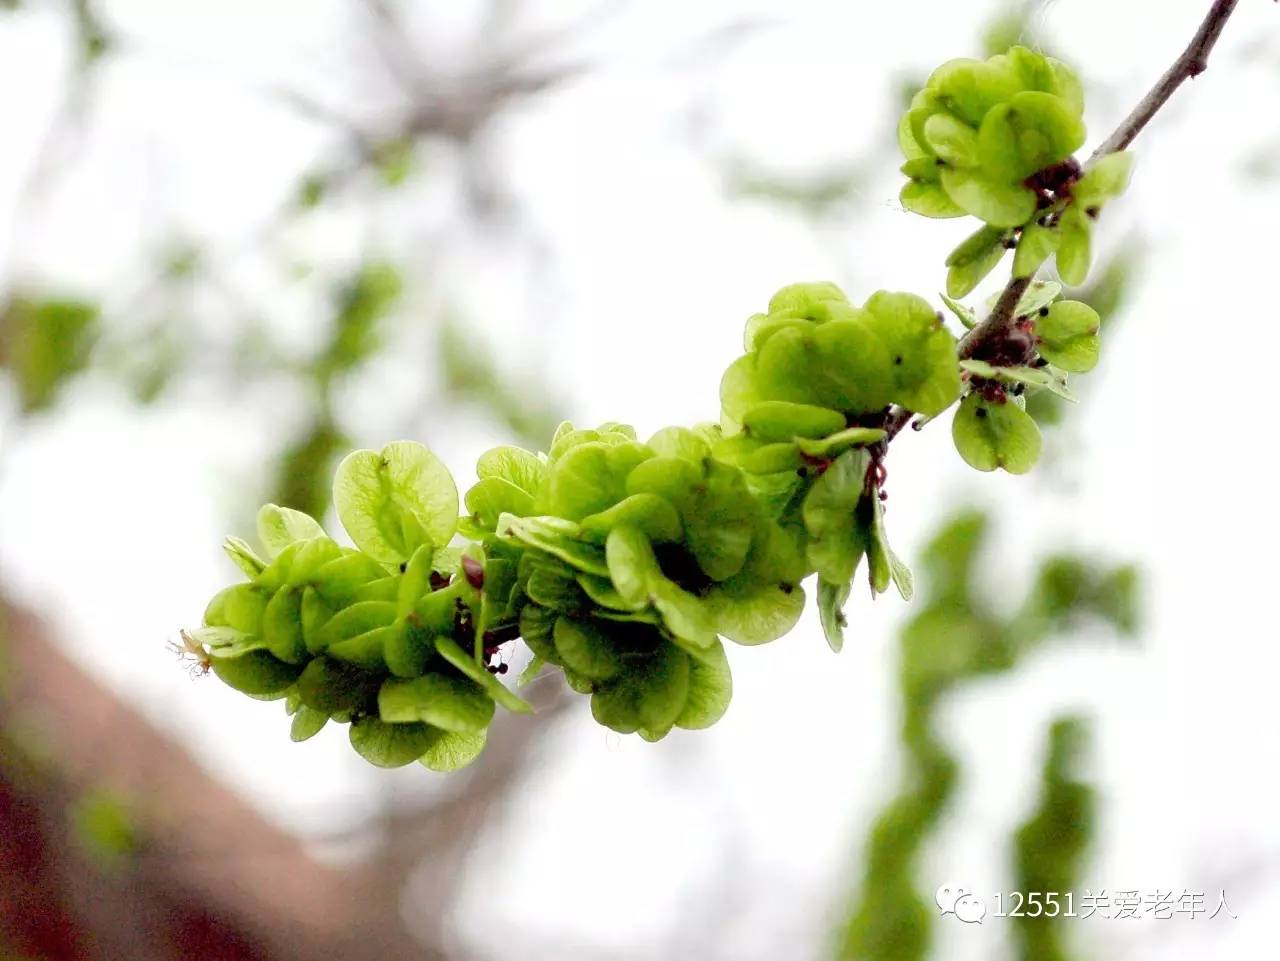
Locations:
{"points": [[1020, 342], [474, 572], [993, 392]]}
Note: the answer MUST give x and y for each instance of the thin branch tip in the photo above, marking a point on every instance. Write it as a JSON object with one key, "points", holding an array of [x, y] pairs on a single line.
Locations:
{"points": [[1192, 62]]}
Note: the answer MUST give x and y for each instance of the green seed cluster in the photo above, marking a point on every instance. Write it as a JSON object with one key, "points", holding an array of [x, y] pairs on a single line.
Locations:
{"points": [[372, 636], [981, 129], [1051, 338], [815, 364], [995, 139], [624, 563], [632, 561], [804, 407]]}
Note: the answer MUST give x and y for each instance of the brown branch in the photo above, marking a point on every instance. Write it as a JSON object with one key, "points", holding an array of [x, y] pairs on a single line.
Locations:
{"points": [[399, 55], [1193, 62], [896, 419], [995, 329]]}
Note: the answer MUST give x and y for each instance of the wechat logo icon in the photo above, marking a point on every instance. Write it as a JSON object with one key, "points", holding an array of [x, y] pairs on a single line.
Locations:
{"points": [[959, 900]]}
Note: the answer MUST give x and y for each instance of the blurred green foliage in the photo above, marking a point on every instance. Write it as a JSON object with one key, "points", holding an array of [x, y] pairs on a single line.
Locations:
{"points": [[955, 637], [102, 824], [1050, 847], [91, 34], [149, 364], [471, 375], [814, 196], [312, 190], [43, 343], [46, 341], [304, 467], [363, 304], [395, 160]]}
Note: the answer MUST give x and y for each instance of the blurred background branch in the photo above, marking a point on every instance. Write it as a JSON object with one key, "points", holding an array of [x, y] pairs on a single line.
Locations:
{"points": [[954, 638]]}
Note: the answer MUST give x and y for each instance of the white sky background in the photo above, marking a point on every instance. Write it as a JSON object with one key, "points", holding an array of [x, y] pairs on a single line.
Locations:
{"points": [[110, 516]]}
